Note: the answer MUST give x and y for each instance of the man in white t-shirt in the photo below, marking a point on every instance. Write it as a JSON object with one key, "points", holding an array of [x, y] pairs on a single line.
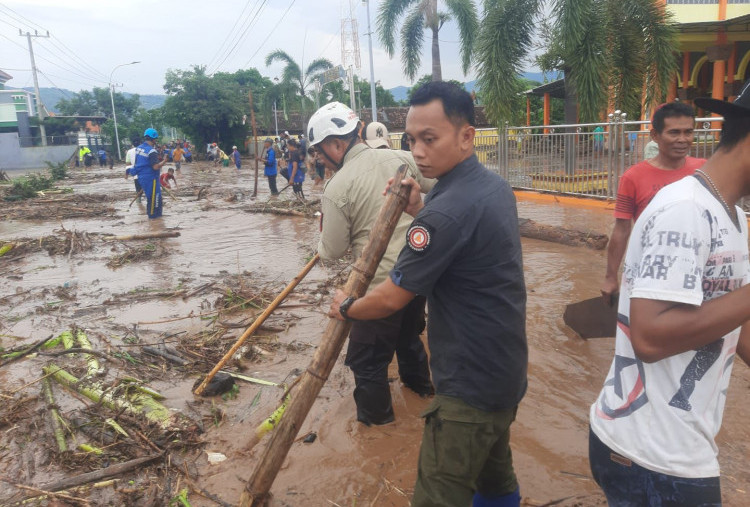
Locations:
{"points": [[685, 298], [130, 162]]}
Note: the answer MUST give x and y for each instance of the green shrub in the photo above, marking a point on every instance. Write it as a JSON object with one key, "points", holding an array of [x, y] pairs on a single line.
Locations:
{"points": [[58, 171], [27, 186]]}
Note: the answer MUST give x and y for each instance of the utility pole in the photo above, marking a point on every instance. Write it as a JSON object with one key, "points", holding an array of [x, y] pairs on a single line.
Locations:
{"points": [[39, 113], [373, 102]]}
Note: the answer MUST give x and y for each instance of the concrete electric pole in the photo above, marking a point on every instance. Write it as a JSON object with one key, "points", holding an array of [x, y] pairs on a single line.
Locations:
{"points": [[39, 106]]}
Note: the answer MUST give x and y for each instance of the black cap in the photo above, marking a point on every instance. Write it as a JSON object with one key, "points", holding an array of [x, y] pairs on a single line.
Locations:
{"points": [[740, 107]]}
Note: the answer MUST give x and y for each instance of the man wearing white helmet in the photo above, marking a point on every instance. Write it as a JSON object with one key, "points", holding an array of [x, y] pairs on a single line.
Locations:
{"points": [[351, 202]]}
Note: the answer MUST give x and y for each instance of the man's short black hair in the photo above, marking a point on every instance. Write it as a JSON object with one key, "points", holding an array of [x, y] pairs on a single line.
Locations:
{"points": [[670, 110], [734, 130], [457, 103], [135, 141]]}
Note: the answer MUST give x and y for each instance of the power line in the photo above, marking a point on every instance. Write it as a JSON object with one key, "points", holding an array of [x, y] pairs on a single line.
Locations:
{"points": [[53, 63], [67, 52], [270, 33], [64, 92], [229, 34], [242, 36]]}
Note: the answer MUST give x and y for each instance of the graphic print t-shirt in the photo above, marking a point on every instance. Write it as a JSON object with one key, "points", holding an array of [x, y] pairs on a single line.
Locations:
{"points": [[664, 416]]}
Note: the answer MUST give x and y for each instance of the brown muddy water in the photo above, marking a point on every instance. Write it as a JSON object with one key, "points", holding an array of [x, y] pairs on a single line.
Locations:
{"points": [[224, 252]]}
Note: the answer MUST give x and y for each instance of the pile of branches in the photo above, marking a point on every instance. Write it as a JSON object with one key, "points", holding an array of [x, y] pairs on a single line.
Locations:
{"points": [[290, 207], [62, 207], [135, 254], [62, 242], [125, 429]]}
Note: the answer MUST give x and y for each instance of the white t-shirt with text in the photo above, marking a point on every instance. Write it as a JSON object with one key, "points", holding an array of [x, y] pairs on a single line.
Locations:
{"points": [[664, 416]]}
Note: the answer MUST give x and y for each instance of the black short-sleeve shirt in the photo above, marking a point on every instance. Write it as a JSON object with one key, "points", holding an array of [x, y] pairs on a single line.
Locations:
{"points": [[463, 252]]}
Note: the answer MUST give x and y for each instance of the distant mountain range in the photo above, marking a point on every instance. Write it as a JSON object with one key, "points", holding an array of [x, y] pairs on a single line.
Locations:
{"points": [[402, 92], [51, 96]]}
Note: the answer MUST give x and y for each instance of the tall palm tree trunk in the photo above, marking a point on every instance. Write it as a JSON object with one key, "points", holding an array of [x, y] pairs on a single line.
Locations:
{"points": [[437, 71]]}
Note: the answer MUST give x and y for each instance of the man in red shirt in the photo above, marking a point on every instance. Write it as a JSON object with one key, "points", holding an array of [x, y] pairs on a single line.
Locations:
{"points": [[672, 130]]}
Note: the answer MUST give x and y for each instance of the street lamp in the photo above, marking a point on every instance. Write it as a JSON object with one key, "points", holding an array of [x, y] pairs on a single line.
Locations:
{"points": [[112, 99]]}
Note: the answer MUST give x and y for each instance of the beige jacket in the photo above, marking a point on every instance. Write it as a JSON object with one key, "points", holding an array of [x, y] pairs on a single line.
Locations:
{"points": [[352, 199]]}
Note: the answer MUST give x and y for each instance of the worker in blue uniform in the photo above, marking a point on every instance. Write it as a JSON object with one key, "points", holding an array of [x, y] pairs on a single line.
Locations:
{"points": [[147, 168]]}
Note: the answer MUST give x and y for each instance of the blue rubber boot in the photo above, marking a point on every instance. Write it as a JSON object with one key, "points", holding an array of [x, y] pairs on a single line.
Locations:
{"points": [[509, 500]]}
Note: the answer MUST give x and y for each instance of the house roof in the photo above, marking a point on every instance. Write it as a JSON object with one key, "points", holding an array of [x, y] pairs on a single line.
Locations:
{"points": [[556, 89], [4, 76], [738, 24]]}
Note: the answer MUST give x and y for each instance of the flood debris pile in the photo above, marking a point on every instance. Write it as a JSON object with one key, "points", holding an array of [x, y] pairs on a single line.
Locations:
{"points": [[128, 254], [241, 298], [289, 207], [62, 206], [93, 423]]}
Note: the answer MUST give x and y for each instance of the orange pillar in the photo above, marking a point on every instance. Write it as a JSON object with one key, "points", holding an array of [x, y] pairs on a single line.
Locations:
{"points": [[722, 10], [720, 68], [672, 90], [528, 111], [546, 111]]}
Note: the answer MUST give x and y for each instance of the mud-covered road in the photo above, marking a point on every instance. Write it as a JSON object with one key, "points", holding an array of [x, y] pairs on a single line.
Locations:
{"points": [[195, 294]]}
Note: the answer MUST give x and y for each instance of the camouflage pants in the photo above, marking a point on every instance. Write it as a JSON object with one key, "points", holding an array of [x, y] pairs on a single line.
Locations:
{"points": [[464, 450]]}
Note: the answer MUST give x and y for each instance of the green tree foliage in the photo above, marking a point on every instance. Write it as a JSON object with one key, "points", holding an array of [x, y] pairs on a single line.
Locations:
{"points": [[335, 91], [606, 48], [421, 14], [212, 108], [97, 103], [426, 79], [294, 78]]}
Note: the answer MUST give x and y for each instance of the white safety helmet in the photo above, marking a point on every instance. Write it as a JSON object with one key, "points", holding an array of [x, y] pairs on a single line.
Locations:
{"points": [[333, 119]]}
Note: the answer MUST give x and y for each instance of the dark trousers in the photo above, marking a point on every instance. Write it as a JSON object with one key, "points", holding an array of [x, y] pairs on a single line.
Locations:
{"points": [[272, 184], [137, 186], [297, 187], [371, 348], [626, 484]]}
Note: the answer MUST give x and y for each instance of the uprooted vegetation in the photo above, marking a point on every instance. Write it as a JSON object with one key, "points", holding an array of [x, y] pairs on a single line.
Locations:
{"points": [[57, 205], [290, 207]]}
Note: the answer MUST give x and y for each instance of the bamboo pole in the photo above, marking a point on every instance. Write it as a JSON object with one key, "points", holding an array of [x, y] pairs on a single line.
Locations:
{"points": [[148, 235], [97, 475], [312, 380], [140, 193], [257, 323]]}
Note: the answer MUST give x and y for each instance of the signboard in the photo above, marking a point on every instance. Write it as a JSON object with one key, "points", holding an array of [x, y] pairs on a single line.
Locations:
{"points": [[332, 75]]}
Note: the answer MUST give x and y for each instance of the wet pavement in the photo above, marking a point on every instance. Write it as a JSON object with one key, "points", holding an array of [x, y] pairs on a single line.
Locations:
{"points": [[348, 464]]}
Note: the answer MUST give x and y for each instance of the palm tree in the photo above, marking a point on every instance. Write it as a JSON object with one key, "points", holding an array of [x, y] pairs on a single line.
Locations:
{"points": [[424, 14], [607, 49], [292, 74]]}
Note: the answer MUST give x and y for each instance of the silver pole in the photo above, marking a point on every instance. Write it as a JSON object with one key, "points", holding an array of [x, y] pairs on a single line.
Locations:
{"points": [[39, 113], [373, 102], [112, 100]]}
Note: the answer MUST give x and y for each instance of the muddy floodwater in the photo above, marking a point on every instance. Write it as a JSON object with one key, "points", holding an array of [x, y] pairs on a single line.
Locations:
{"points": [[193, 296]]}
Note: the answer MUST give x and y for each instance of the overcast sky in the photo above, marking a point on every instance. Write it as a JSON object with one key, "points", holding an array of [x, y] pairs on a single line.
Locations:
{"points": [[90, 38]]}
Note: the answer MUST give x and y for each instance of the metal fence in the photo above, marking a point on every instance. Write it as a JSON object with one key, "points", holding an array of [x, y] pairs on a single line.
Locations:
{"points": [[584, 159], [30, 142]]}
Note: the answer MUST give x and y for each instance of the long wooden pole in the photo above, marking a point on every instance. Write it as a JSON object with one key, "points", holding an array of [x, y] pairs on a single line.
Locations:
{"points": [[312, 380], [257, 323], [255, 137]]}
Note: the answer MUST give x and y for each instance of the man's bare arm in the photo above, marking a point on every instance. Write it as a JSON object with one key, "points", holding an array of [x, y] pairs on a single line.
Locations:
{"points": [[661, 329], [618, 242], [743, 346]]}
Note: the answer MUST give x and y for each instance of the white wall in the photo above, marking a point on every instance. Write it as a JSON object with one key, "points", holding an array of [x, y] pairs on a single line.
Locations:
{"points": [[13, 157]]}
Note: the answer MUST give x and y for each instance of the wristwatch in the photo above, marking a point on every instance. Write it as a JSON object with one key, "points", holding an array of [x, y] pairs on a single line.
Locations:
{"points": [[344, 308]]}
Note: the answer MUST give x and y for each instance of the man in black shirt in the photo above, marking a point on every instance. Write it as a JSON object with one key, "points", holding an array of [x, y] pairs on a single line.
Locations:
{"points": [[464, 253]]}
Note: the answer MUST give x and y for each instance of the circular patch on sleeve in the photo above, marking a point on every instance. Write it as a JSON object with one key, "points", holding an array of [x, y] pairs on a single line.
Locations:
{"points": [[418, 238]]}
